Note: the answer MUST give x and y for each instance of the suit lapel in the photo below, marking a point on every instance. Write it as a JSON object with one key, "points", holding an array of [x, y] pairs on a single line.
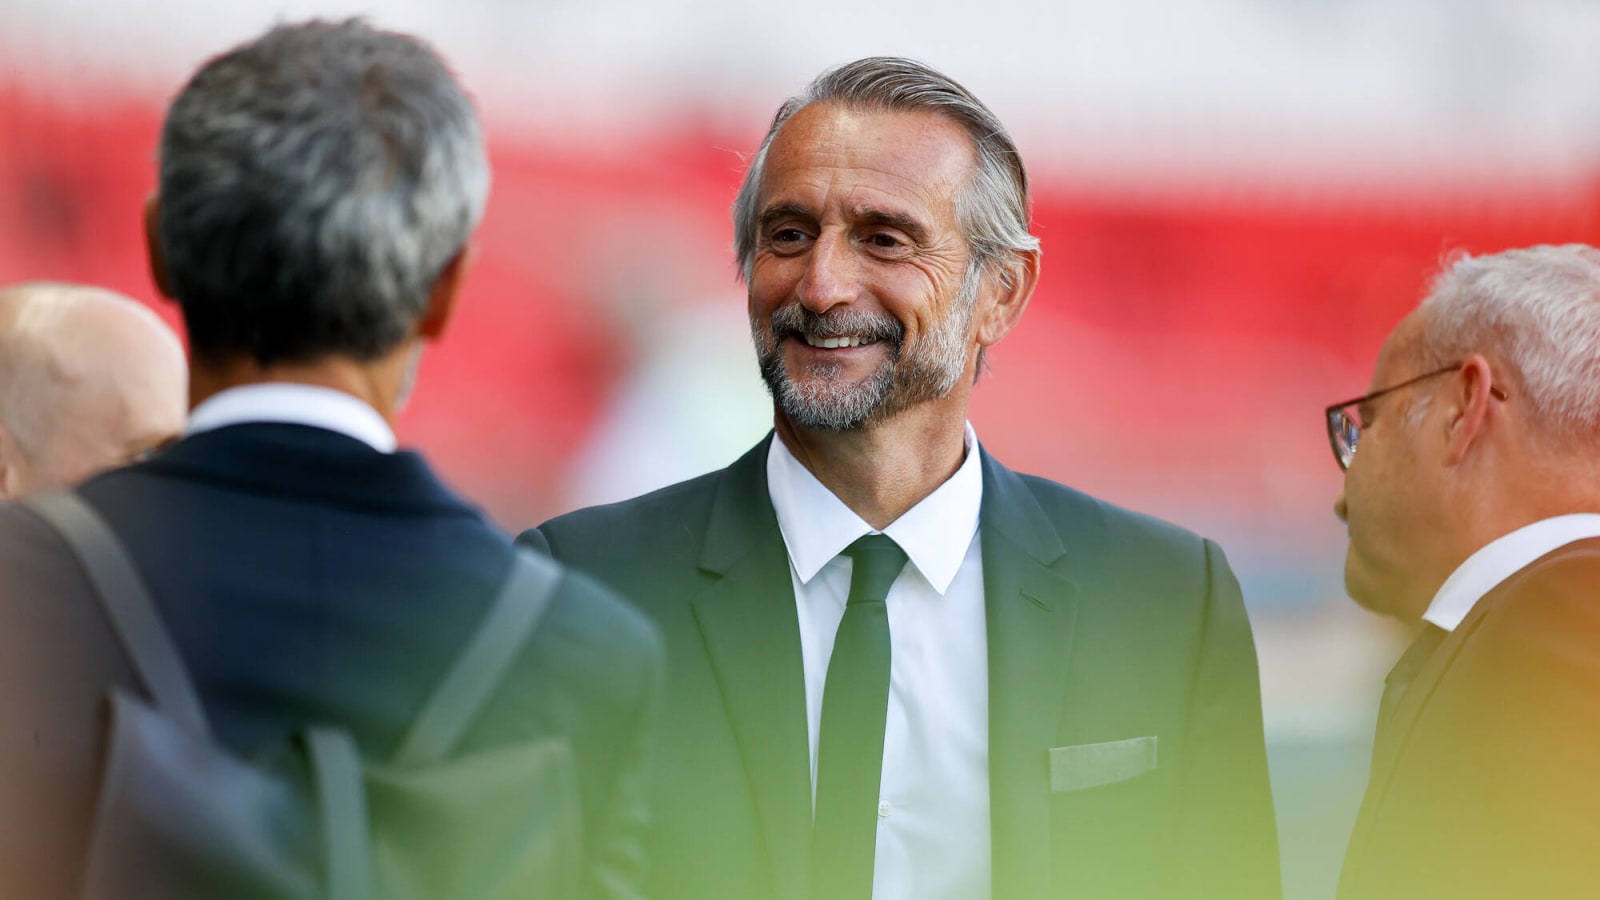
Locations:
{"points": [[751, 630], [1031, 611], [1392, 733]]}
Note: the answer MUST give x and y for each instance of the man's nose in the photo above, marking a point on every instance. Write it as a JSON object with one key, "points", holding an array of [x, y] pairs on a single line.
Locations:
{"points": [[1340, 509], [832, 276]]}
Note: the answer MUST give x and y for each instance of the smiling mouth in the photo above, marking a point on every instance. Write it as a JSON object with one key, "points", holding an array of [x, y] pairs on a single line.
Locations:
{"points": [[834, 343]]}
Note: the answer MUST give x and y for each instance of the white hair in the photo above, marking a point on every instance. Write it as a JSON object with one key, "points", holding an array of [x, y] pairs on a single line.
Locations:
{"points": [[1535, 312]]}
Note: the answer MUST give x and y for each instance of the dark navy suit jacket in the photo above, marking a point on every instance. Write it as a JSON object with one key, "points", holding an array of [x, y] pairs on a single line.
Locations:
{"points": [[1126, 759], [306, 578]]}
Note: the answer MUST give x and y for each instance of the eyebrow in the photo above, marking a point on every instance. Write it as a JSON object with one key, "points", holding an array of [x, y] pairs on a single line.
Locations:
{"points": [[897, 221], [785, 211], [865, 215]]}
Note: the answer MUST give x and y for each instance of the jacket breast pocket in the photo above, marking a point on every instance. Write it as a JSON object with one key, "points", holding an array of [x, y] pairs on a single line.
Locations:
{"points": [[1084, 766]]}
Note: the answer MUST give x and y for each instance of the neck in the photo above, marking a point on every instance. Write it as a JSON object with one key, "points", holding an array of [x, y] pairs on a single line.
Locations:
{"points": [[378, 383], [1539, 486], [1557, 484], [882, 470]]}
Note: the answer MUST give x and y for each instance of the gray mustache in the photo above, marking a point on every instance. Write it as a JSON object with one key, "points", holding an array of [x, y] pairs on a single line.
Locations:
{"points": [[795, 320]]}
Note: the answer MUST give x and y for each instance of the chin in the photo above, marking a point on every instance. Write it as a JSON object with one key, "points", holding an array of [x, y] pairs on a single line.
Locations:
{"points": [[1370, 603], [1374, 596], [1358, 584]]}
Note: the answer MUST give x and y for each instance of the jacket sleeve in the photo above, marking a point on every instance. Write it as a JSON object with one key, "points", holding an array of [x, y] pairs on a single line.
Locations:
{"points": [[618, 867], [615, 860], [1228, 823]]}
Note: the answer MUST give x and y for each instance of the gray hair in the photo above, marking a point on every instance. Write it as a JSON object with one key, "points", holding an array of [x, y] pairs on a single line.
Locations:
{"points": [[314, 183], [1534, 311], [993, 208]]}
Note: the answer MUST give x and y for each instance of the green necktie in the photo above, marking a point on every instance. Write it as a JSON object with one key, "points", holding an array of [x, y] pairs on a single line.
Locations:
{"points": [[855, 702]]}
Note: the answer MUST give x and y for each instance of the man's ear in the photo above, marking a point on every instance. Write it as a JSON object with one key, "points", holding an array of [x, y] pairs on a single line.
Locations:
{"points": [[152, 246], [1470, 394], [446, 288], [1001, 305]]}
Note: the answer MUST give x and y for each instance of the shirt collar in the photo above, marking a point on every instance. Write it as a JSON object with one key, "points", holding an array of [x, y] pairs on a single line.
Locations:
{"points": [[1501, 558], [293, 404], [817, 526]]}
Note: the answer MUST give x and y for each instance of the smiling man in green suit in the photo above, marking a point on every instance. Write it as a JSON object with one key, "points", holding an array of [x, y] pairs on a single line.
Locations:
{"points": [[898, 669]]}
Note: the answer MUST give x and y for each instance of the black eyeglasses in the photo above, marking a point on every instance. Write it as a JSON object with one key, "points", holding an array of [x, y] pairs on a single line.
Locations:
{"points": [[1344, 419]]}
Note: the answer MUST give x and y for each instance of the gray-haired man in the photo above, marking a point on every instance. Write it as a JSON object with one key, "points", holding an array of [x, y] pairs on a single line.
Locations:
{"points": [[1474, 511], [1056, 698], [319, 188]]}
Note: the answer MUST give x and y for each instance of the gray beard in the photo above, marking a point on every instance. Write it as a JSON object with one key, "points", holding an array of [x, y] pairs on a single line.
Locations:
{"points": [[819, 401]]}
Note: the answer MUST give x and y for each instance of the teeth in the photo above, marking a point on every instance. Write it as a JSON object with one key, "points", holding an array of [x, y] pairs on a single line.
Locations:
{"points": [[834, 343]]}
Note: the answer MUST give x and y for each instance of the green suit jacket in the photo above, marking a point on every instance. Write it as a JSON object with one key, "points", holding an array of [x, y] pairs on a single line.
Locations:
{"points": [[1125, 747]]}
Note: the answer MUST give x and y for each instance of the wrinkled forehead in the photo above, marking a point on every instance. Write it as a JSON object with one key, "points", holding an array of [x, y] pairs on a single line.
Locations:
{"points": [[916, 151]]}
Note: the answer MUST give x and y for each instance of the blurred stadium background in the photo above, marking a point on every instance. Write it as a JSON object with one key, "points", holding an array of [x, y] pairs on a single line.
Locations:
{"points": [[1237, 199]]}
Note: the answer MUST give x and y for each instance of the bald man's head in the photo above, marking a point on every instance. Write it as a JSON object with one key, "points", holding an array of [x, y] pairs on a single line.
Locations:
{"points": [[88, 380]]}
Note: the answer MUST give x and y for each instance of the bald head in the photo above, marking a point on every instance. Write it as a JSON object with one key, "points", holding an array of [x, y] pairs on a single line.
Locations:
{"points": [[89, 380]]}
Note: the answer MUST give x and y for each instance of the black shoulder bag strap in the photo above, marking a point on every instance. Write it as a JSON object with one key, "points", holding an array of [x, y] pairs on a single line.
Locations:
{"points": [[524, 598], [133, 614]]}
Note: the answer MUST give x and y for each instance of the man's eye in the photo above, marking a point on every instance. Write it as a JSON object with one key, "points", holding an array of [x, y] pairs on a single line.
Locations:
{"points": [[887, 244], [788, 236]]}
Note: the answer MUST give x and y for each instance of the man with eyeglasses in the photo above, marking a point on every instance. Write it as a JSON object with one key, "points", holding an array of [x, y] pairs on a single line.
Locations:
{"points": [[1473, 508]]}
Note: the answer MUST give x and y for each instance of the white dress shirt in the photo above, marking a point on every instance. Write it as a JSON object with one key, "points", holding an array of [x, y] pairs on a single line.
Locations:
{"points": [[1501, 558], [293, 404], [933, 810]]}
